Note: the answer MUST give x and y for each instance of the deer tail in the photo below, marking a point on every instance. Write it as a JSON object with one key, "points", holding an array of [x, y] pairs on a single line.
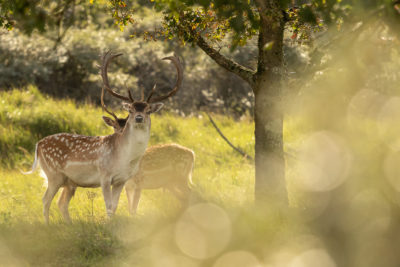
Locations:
{"points": [[35, 163]]}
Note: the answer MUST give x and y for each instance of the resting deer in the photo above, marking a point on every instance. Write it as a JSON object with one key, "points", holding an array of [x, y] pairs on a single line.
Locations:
{"points": [[166, 166], [71, 160]]}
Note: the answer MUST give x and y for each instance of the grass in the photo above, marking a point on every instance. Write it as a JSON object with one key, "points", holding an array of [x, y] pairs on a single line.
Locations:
{"points": [[342, 182], [22, 127], [220, 176]]}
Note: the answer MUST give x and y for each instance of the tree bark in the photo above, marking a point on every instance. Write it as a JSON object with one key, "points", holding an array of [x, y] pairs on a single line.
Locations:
{"points": [[270, 186]]}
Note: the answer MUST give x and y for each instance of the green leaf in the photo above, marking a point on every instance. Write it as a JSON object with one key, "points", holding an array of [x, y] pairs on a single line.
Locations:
{"points": [[268, 46]]}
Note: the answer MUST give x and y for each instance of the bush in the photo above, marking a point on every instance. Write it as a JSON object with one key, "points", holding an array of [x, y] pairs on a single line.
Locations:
{"points": [[70, 69]]}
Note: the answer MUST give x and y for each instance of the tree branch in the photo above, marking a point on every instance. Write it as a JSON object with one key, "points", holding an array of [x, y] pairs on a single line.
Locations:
{"points": [[60, 22], [244, 154], [228, 64]]}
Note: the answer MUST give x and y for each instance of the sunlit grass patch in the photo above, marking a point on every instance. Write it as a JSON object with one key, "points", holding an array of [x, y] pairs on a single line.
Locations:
{"points": [[80, 244], [221, 176], [217, 166]]}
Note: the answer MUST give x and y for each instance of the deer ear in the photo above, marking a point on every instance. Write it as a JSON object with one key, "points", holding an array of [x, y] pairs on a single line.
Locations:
{"points": [[156, 107], [109, 121], [126, 106]]}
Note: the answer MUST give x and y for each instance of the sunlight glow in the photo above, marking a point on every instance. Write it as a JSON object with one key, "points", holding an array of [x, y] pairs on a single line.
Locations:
{"points": [[203, 231], [323, 162], [391, 168], [313, 258], [238, 258]]}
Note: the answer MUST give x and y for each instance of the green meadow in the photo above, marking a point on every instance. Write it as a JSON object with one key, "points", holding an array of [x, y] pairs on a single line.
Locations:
{"points": [[221, 176], [342, 184]]}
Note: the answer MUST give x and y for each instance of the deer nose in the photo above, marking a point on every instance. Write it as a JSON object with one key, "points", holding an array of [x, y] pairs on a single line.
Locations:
{"points": [[139, 118]]}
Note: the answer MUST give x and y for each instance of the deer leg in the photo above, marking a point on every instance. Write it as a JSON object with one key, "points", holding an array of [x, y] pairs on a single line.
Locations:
{"points": [[185, 189], [135, 201], [106, 188], [129, 194], [179, 194], [48, 197], [116, 192], [63, 202]]}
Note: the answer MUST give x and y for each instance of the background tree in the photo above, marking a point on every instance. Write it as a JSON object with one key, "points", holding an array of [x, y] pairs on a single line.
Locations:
{"points": [[206, 23], [267, 20]]}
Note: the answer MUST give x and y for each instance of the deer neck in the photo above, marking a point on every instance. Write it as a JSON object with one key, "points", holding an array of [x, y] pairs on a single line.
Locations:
{"points": [[133, 140]]}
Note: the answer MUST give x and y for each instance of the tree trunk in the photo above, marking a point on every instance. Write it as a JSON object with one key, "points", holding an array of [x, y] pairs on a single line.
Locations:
{"points": [[270, 186]]}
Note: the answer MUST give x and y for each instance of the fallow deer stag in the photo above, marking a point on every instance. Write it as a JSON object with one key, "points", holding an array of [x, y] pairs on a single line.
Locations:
{"points": [[168, 166], [71, 160]]}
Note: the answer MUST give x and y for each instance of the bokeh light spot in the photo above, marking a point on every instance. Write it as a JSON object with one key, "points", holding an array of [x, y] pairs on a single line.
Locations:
{"points": [[238, 258], [391, 168], [323, 162], [203, 231], [388, 126], [313, 258]]}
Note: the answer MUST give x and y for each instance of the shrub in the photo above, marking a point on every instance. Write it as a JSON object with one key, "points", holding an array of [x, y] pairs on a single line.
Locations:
{"points": [[70, 69]]}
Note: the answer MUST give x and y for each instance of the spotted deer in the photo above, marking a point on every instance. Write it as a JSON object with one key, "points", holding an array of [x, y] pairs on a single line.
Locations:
{"points": [[167, 166], [72, 160]]}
